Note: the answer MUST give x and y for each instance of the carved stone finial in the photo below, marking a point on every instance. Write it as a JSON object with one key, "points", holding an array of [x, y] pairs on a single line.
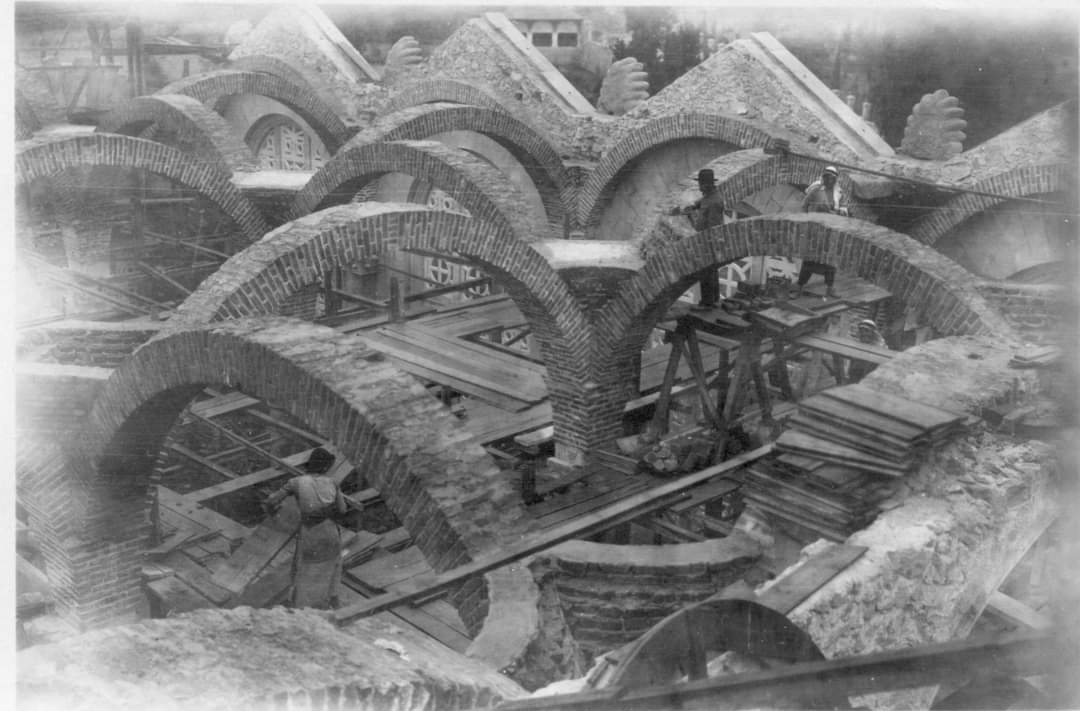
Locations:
{"points": [[625, 86], [404, 55], [935, 128]]}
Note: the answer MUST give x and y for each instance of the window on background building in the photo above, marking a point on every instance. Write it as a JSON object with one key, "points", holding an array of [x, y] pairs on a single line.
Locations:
{"points": [[567, 34], [279, 143], [543, 34]]}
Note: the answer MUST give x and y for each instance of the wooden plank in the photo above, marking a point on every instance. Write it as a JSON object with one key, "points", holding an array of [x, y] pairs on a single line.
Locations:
{"points": [[705, 493], [584, 506], [669, 530], [177, 596], [902, 409], [846, 348], [1017, 613], [196, 576], [613, 515], [238, 570], [859, 419], [786, 594], [801, 443], [224, 404], [509, 423], [202, 461], [392, 568], [243, 482], [200, 516], [422, 618]]}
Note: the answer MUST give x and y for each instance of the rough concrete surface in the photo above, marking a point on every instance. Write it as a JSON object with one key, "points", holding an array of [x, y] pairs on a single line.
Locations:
{"points": [[253, 659]]}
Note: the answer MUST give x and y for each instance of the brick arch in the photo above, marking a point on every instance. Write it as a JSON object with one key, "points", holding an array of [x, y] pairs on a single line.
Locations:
{"points": [[198, 130], [432, 91], [944, 294], [257, 281], [532, 150], [622, 156], [475, 184], [740, 174], [214, 88], [50, 157], [1016, 183], [380, 418]]}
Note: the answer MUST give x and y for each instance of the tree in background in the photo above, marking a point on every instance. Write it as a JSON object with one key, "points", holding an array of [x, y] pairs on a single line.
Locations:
{"points": [[666, 49]]}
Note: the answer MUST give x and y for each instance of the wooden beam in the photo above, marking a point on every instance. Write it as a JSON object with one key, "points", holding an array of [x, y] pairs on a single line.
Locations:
{"points": [[201, 460], [1015, 612], [349, 296], [184, 243], [447, 289], [613, 515], [146, 268], [1009, 656]]}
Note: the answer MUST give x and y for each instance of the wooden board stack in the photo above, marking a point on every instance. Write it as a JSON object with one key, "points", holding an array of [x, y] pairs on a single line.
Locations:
{"points": [[856, 427], [824, 499], [842, 456], [1036, 357]]}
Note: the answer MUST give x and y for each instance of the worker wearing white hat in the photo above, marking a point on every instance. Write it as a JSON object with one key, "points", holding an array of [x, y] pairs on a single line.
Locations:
{"points": [[823, 195]]}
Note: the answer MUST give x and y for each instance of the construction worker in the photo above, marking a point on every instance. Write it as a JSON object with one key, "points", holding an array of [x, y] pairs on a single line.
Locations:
{"points": [[867, 332], [316, 570], [706, 212], [823, 195]]}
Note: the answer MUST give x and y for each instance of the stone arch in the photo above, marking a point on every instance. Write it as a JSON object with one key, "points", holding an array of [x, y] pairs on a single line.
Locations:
{"points": [[214, 88], [1016, 183], [621, 157], [379, 418], [476, 185], [196, 129], [432, 91], [531, 149], [51, 157]]}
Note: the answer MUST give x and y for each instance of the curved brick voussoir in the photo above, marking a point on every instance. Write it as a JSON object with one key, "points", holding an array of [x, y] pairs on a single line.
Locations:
{"points": [[1018, 182], [189, 126], [477, 186], [621, 157], [48, 158], [214, 88], [529, 147], [940, 292], [431, 91], [448, 493]]}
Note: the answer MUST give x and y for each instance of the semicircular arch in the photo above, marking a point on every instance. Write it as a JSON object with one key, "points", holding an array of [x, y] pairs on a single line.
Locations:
{"points": [[188, 124], [366, 407], [1015, 183], [51, 157], [942, 293], [622, 156], [536, 154], [214, 88], [477, 186]]}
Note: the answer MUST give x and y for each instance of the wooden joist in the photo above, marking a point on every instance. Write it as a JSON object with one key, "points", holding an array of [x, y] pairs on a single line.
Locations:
{"points": [[846, 348], [202, 461], [1017, 613], [242, 482], [223, 403]]}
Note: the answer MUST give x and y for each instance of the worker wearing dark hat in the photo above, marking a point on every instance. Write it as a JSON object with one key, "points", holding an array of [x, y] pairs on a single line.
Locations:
{"points": [[867, 332], [706, 212], [823, 195], [316, 570]]}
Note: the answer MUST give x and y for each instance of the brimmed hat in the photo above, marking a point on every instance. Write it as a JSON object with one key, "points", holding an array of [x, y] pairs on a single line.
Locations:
{"points": [[831, 170], [319, 461], [706, 175]]}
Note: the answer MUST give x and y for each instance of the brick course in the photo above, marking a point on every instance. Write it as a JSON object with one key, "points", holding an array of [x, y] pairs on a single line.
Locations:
{"points": [[529, 147], [183, 123], [214, 88], [621, 157], [50, 157]]}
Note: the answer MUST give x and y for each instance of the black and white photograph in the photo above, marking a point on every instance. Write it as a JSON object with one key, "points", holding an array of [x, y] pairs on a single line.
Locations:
{"points": [[434, 356]]}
